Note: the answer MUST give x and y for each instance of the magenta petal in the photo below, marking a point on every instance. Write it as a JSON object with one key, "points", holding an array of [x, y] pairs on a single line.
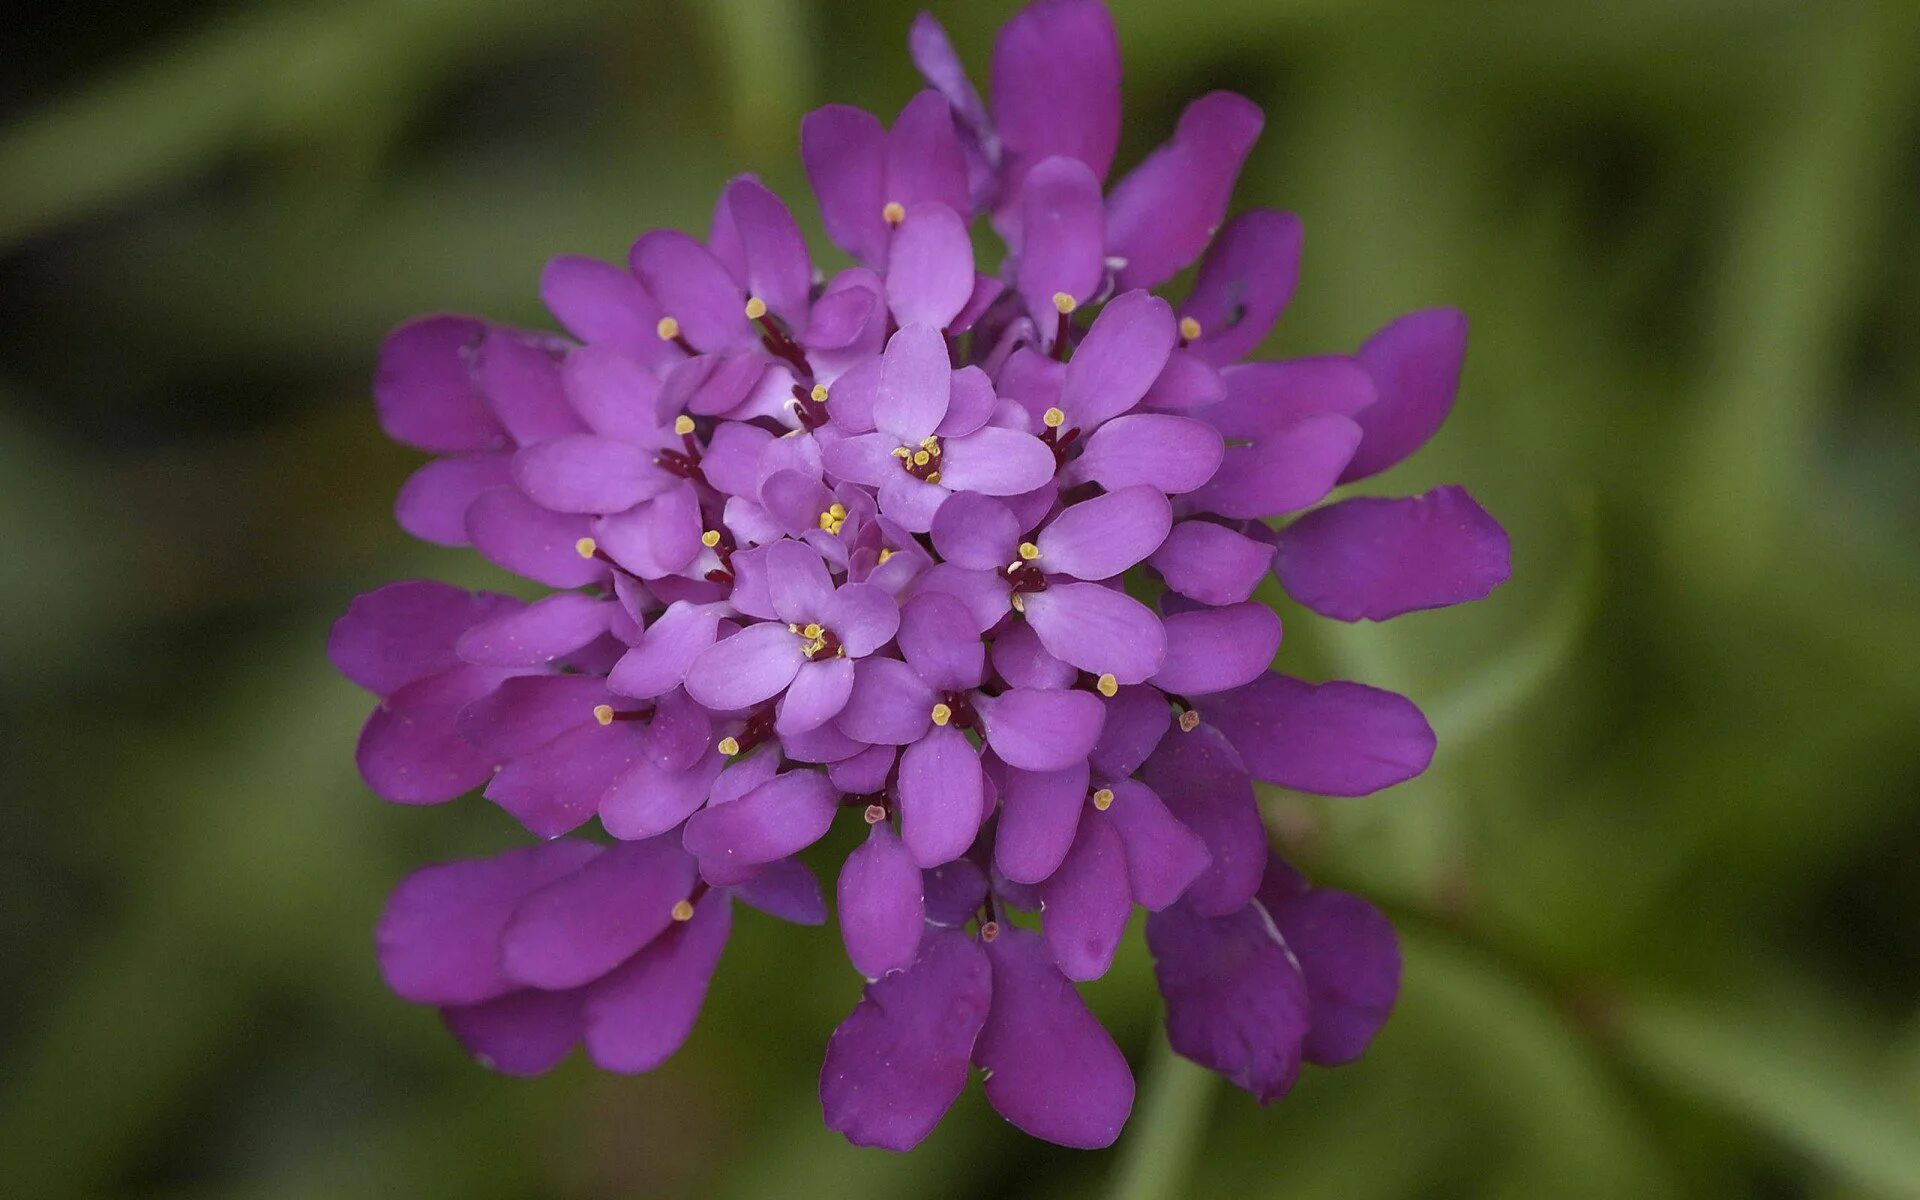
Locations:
{"points": [[1331, 739], [1101, 537], [1086, 902], [818, 692], [1171, 454], [739, 672], [930, 267], [1055, 85], [557, 788], [520, 374], [1164, 857], [867, 458], [1373, 559], [1415, 366], [985, 593], [433, 502], [940, 796], [909, 502], [438, 940], [797, 582], [824, 745], [402, 632], [890, 705], [1213, 649], [1114, 365], [795, 500], [649, 799], [925, 161], [1039, 812], [680, 733], [1098, 629], [971, 405], [1203, 783], [916, 380], [954, 892], [1245, 280], [1041, 730], [844, 149], [410, 751], [694, 288], [523, 1033], [899, 1060], [1062, 237], [864, 773], [863, 615], [1052, 1070], [1023, 662], [1163, 213], [996, 462], [732, 461], [602, 304], [576, 929], [640, 1014], [666, 651], [941, 642], [778, 271], [615, 392], [1137, 718], [1283, 472], [525, 713], [975, 531], [882, 905], [424, 391], [513, 532], [1235, 1003], [782, 816], [785, 889], [539, 633], [1348, 955], [933, 56], [1185, 383], [1265, 398], [1211, 563]]}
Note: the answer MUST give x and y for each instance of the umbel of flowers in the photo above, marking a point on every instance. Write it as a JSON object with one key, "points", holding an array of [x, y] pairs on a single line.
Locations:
{"points": [[961, 550]]}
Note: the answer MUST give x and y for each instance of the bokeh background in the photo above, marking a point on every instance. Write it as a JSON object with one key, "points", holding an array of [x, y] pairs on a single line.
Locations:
{"points": [[1658, 894]]}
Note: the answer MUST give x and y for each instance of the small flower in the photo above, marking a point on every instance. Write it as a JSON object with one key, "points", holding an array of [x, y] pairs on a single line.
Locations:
{"points": [[969, 559]]}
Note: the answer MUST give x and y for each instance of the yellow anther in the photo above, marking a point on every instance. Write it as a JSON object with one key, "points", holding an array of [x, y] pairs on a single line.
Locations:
{"points": [[989, 930], [902, 452], [826, 522], [885, 554], [1190, 720], [811, 632], [710, 538], [894, 212], [1019, 603], [729, 746], [930, 442], [1029, 551], [1103, 799], [1189, 329], [933, 477], [586, 547], [875, 813], [683, 424], [1107, 684], [921, 458], [668, 329], [756, 308], [603, 713], [1064, 303], [942, 714], [1053, 418], [819, 393], [837, 511], [683, 910]]}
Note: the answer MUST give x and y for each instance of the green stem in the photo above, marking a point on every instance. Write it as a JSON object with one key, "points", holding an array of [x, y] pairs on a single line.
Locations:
{"points": [[1168, 1129]]}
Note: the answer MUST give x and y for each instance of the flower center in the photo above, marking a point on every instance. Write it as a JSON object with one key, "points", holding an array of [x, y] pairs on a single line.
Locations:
{"points": [[921, 463], [834, 517], [821, 643]]}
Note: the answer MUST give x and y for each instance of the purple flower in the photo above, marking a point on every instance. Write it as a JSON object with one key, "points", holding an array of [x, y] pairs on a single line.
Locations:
{"points": [[971, 556]]}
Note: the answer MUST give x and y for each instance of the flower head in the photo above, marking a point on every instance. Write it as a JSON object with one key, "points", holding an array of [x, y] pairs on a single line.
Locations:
{"points": [[968, 559]]}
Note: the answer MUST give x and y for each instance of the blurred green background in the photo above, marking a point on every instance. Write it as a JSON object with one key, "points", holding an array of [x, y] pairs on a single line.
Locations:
{"points": [[1658, 894]]}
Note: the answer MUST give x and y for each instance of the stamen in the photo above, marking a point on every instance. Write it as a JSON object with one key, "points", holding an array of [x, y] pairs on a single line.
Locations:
{"points": [[901, 452], [989, 930], [1103, 799], [603, 713], [586, 547], [885, 554], [1019, 602], [728, 746], [1189, 329], [933, 477], [683, 424], [941, 715], [668, 329], [683, 910], [921, 458], [710, 538], [1064, 303], [1029, 551], [756, 308], [875, 813], [1107, 684], [819, 393], [1053, 418], [894, 212], [811, 632], [1190, 720]]}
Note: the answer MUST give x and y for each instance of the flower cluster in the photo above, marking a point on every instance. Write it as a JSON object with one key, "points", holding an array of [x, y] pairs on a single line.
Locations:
{"points": [[967, 556]]}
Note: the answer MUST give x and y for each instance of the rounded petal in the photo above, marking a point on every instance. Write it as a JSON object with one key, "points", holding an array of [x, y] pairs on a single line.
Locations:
{"points": [[941, 642], [929, 267], [996, 462], [1331, 739], [1281, 473], [1086, 902], [1041, 730], [1055, 85], [410, 750], [778, 270], [1024, 663], [1137, 718], [1098, 629], [1101, 537], [659, 663], [576, 929], [1373, 559], [538, 634], [557, 788], [818, 692], [1168, 453], [1062, 237], [402, 632], [925, 162], [1246, 278], [864, 616], [1164, 857], [694, 288], [1039, 812], [1123, 353], [523, 1033], [882, 905], [433, 502], [844, 149], [640, 1014], [784, 889], [975, 531], [890, 704], [1214, 649], [940, 796], [424, 391], [916, 381], [649, 799], [1203, 783], [753, 665], [602, 304], [1415, 366], [782, 816], [513, 532], [1211, 563], [1348, 956], [1235, 1002], [1163, 213], [520, 375]]}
